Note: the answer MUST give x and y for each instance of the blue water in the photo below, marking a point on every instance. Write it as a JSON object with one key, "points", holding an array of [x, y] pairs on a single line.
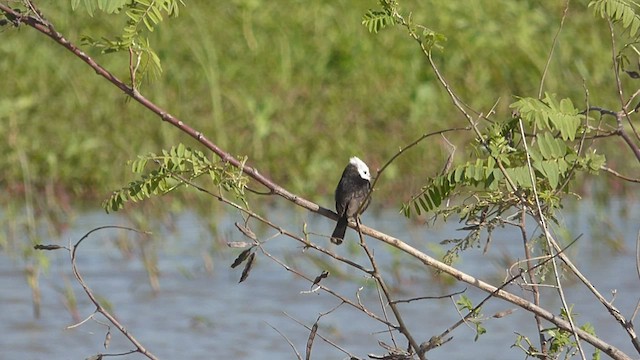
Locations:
{"points": [[201, 314]]}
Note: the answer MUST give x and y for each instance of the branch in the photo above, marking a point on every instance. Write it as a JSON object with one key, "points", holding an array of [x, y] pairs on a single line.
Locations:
{"points": [[618, 175], [553, 46], [402, 327], [99, 308], [623, 113], [547, 234]]}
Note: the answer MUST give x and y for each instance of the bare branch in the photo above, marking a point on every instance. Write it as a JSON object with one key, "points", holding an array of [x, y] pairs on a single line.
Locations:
{"points": [[618, 175], [553, 47], [351, 356], [430, 297], [298, 356], [402, 327], [99, 308], [547, 234]]}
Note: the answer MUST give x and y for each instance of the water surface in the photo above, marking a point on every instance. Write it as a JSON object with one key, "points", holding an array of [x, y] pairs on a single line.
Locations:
{"points": [[200, 314]]}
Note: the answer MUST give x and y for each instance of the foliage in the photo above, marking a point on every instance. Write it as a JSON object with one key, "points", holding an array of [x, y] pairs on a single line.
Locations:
{"points": [[174, 168], [475, 317], [560, 341], [622, 11], [139, 13], [249, 89], [505, 163], [376, 20], [554, 158]]}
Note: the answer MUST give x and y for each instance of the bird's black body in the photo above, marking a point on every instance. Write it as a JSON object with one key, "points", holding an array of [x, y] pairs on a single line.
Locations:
{"points": [[352, 191]]}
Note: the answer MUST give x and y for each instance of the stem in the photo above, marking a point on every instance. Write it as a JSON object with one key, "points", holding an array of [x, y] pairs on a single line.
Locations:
{"points": [[402, 327], [543, 222], [533, 281], [99, 308]]}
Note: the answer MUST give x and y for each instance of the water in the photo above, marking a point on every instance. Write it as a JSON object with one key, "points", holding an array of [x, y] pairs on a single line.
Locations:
{"points": [[198, 314]]}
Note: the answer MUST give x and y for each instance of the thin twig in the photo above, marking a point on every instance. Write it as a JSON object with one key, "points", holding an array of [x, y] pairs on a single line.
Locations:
{"points": [[325, 339], [430, 297], [402, 327], [618, 175], [532, 279], [437, 340], [543, 222], [624, 112], [287, 340], [327, 289], [638, 254], [553, 47], [99, 308]]}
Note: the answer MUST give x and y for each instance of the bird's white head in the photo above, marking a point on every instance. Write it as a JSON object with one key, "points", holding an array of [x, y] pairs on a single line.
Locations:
{"points": [[363, 169]]}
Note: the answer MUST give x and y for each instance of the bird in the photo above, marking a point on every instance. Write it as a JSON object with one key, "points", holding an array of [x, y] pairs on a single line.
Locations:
{"points": [[352, 190]]}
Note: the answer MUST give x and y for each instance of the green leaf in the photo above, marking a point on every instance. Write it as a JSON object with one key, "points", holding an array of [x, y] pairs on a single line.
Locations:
{"points": [[432, 39], [464, 303], [551, 172], [520, 176], [550, 147], [423, 202], [479, 330], [549, 114], [620, 11], [436, 199], [416, 206], [376, 20]]}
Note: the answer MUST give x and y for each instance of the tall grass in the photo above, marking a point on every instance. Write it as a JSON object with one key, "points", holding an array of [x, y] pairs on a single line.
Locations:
{"points": [[297, 86]]}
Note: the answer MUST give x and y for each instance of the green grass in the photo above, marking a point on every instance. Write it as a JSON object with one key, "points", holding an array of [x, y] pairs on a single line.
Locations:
{"points": [[297, 86]]}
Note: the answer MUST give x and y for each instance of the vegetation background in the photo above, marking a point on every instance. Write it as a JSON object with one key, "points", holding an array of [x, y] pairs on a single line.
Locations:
{"points": [[297, 86]]}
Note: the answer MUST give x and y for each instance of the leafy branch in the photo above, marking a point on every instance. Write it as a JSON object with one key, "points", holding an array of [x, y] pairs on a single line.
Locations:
{"points": [[622, 11], [555, 159], [522, 177], [174, 168], [142, 16]]}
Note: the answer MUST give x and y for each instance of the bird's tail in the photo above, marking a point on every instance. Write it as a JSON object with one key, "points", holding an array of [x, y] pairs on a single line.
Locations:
{"points": [[338, 232]]}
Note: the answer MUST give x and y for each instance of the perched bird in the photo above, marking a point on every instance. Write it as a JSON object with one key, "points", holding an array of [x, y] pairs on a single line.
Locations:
{"points": [[352, 190]]}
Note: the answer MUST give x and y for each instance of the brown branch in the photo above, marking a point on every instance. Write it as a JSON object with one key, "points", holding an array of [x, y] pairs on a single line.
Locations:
{"points": [[618, 175], [402, 327], [99, 308], [638, 255], [293, 347], [429, 297], [345, 300], [623, 113], [532, 280], [440, 339], [612, 310], [49, 30], [541, 219], [272, 225]]}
